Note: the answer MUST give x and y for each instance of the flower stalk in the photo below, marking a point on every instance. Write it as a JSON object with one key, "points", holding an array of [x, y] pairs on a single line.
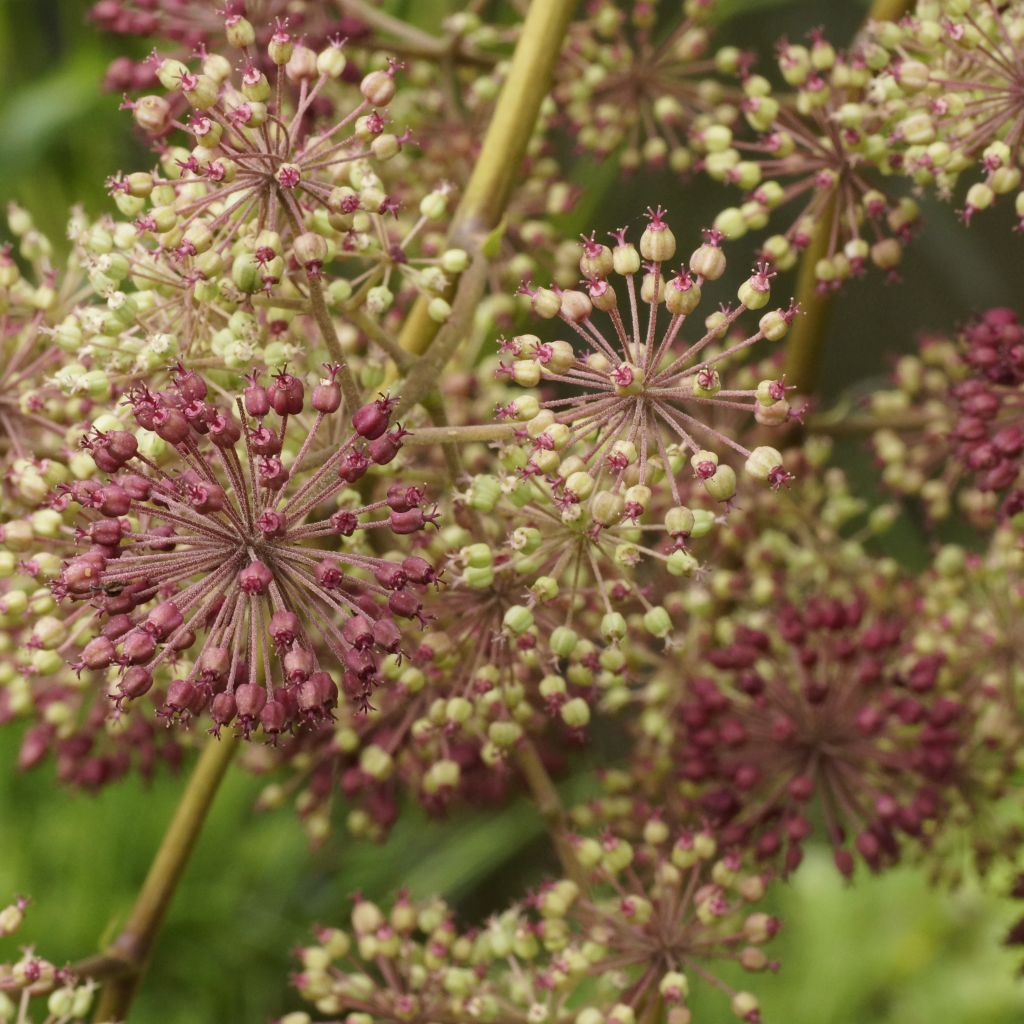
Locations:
{"points": [[134, 942], [805, 345], [549, 806], [496, 171]]}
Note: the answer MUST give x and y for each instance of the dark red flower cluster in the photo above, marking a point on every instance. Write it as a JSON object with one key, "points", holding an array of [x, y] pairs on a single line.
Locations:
{"points": [[817, 727], [93, 755], [225, 542], [989, 432]]}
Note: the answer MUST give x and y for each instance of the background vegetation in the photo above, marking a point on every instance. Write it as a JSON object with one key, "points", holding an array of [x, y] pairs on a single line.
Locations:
{"points": [[886, 951]]}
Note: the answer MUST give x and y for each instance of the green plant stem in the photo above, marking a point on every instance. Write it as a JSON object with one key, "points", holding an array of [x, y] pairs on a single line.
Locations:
{"points": [[889, 10], [380, 337], [497, 169], [426, 372], [134, 942], [409, 41], [549, 806], [806, 341], [846, 426]]}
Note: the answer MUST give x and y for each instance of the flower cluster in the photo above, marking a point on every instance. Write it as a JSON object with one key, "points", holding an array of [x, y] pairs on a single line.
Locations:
{"points": [[965, 627], [207, 530], [621, 86], [953, 423], [820, 709], [650, 920], [69, 999], [820, 151], [34, 295], [639, 397], [954, 71]]}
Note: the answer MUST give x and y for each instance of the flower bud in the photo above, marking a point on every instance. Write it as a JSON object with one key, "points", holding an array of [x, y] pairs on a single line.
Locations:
{"points": [[746, 1007], [310, 247], [575, 713], [378, 87], [657, 243], [546, 303], [330, 61], [152, 114], [239, 31], [762, 461], [722, 485], [625, 259], [613, 626], [575, 306], [708, 261], [658, 623], [518, 619], [681, 563]]}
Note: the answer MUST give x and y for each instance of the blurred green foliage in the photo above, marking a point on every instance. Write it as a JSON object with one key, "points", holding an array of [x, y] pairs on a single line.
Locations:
{"points": [[885, 951]]}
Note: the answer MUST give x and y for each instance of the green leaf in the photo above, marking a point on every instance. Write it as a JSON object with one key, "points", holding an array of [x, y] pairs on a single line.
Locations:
{"points": [[492, 243], [42, 113]]}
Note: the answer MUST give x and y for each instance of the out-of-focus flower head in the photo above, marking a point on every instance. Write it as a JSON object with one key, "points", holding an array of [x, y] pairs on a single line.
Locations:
{"points": [[819, 708], [625, 87], [653, 921], [956, 416], [819, 151], [34, 296], [965, 627], [955, 76], [68, 999], [196, 25]]}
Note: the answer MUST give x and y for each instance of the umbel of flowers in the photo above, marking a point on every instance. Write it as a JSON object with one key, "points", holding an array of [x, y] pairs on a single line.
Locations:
{"points": [[633, 397], [643, 926], [278, 180], [69, 998], [814, 723], [624, 85], [203, 545], [954, 423], [955, 72], [252, 162], [818, 157]]}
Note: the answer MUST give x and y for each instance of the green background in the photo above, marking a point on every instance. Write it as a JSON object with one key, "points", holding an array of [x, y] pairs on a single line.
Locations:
{"points": [[885, 951]]}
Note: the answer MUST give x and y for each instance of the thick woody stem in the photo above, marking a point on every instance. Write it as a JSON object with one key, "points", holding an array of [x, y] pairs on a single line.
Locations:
{"points": [[806, 341], [427, 370], [134, 943], [846, 426], [380, 337], [497, 169], [549, 806], [889, 10]]}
